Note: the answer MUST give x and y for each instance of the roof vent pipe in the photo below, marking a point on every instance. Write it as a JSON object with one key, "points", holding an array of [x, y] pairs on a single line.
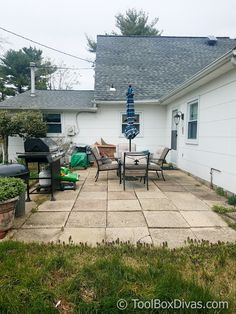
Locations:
{"points": [[32, 76], [233, 59], [211, 40]]}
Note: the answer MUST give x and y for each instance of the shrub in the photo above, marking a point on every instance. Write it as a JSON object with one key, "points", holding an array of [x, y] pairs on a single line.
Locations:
{"points": [[10, 188], [220, 191], [232, 200]]}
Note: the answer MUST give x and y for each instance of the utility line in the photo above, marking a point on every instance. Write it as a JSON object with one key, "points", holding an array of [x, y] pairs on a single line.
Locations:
{"points": [[36, 42], [63, 68]]}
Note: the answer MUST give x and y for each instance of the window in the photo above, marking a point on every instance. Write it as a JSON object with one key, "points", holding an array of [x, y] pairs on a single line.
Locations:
{"points": [[53, 122], [192, 120], [136, 122]]}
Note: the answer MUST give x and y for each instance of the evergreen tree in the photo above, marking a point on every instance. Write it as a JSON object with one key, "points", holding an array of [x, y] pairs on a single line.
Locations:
{"points": [[15, 71], [133, 22]]}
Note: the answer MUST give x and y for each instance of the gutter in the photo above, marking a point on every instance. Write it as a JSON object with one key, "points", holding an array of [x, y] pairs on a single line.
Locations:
{"points": [[229, 56], [123, 102]]}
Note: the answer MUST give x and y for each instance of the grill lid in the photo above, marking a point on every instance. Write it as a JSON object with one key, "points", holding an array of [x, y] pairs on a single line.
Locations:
{"points": [[13, 170], [44, 144]]}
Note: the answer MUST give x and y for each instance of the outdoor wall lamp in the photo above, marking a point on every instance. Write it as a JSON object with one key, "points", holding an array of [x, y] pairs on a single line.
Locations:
{"points": [[177, 117], [112, 88]]}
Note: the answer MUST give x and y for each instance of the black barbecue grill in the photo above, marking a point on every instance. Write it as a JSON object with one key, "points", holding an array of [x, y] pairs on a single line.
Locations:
{"points": [[43, 151]]}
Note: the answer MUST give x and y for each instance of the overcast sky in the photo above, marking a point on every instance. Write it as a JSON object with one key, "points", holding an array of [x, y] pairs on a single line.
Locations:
{"points": [[62, 24]]}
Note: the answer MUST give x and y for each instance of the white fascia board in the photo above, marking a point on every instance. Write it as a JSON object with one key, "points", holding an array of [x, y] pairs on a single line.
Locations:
{"points": [[123, 102]]}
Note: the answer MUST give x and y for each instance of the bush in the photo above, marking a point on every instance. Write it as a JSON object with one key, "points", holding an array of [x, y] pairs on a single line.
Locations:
{"points": [[220, 191], [10, 188], [232, 200]]}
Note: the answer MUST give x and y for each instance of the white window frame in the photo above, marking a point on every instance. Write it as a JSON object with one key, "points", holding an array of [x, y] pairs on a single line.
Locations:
{"points": [[140, 123], [55, 134], [193, 141]]}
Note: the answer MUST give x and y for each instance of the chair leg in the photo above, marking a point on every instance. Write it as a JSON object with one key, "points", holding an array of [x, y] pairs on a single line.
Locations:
{"points": [[157, 174], [123, 178], [97, 175], [147, 183], [162, 175]]}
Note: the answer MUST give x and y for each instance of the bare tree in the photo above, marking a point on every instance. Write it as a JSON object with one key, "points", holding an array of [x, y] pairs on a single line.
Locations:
{"points": [[64, 78]]}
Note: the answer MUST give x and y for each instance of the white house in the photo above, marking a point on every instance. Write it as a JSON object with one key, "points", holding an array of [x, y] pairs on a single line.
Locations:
{"points": [[192, 76], [206, 145]]}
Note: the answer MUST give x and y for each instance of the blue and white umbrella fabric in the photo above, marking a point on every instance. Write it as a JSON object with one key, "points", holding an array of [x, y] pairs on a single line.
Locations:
{"points": [[130, 131]]}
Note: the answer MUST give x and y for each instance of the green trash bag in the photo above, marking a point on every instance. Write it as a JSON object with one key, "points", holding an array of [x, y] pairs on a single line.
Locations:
{"points": [[79, 160], [66, 175]]}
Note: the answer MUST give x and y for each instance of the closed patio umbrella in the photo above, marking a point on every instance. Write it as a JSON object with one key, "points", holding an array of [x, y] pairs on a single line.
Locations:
{"points": [[130, 130]]}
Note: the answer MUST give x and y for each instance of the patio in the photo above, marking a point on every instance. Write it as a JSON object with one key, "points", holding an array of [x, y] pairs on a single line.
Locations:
{"points": [[171, 211]]}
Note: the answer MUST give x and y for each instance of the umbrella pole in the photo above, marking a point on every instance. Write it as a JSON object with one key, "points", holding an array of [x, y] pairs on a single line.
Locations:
{"points": [[130, 144]]}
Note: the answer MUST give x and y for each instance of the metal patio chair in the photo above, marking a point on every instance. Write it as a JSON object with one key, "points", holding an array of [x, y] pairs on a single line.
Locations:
{"points": [[135, 164], [101, 166], [156, 164]]}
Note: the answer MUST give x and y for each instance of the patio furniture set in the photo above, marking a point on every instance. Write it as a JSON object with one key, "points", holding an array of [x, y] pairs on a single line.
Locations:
{"points": [[131, 164]]}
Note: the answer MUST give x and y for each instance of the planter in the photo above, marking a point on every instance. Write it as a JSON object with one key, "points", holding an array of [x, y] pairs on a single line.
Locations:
{"points": [[7, 212]]}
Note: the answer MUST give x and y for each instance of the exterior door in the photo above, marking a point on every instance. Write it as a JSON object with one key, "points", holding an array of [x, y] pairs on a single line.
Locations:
{"points": [[173, 139]]}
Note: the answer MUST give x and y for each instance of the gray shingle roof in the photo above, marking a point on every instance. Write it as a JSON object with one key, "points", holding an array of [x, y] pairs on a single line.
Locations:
{"points": [[154, 65], [51, 100]]}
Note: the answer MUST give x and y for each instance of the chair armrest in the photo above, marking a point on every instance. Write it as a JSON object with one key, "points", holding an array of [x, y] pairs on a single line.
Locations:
{"points": [[157, 160]]}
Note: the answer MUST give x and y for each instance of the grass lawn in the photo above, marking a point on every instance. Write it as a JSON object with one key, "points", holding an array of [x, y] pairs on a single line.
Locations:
{"points": [[34, 277]]}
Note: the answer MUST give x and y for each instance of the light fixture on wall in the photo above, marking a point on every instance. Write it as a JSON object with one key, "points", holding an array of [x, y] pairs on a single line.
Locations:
{"points": [[177, 117], [112, 88]]}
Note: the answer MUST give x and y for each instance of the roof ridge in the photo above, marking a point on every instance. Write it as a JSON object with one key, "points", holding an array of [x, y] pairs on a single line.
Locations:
{"points": [[63, 90], [160, 36]]}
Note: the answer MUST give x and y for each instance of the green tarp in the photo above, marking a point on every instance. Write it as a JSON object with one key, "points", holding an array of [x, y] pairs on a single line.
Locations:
{"points": [[79, 160]]}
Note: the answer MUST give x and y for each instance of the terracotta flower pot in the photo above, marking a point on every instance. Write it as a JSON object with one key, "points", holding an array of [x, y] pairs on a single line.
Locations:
{"points": [[7, 212]]}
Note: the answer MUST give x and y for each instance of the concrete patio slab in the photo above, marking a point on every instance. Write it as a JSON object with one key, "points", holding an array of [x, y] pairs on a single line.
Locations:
{"points": [[86, 220], [94, 188], [125, 219], [131, 235], [157, 204], [207, 196], [92, 182], [90, 205], [115, 188], [173, 210], [172, 188], [150, 194], [186, 180], [67, 194], [37, 235], [93, 195], [214, 234], [19, 221], [212, 203], [143, 188], [186, 201], [91, 236], [123, 205], [57, 206], [173, 237], [165, 219], [125, 195], [46, 220], [203, 219]]}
